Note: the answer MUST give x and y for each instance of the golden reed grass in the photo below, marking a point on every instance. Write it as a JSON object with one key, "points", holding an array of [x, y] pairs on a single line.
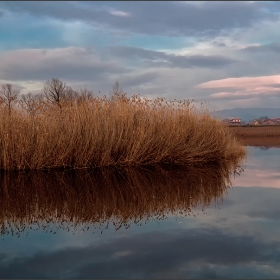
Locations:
{"points": [[112, 131], [258, 131], [99, 197]]}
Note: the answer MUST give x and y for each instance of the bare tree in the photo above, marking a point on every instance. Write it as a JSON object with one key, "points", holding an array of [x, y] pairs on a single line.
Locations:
{"points": [[31, 103], [84, 95], [54, 91], [9, 96], [69, 95], [58, 93]]}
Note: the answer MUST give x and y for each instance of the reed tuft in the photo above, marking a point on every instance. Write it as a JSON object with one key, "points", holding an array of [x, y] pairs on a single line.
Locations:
{"points": [[79, 130]]}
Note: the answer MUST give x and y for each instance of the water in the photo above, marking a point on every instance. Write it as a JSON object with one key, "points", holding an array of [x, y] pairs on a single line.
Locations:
{"points": [[217, 232]]}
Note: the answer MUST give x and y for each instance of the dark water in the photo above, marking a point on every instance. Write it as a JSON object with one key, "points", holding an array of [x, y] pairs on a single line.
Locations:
{"points": [[144, 224]]}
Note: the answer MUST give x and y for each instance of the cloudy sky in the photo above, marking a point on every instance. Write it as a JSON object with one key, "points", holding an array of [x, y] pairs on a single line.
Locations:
{"points": [[222, 53]]}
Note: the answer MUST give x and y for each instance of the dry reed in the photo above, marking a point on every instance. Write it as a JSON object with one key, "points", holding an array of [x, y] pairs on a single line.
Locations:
{"points": [[117, 131], [272, 131]]}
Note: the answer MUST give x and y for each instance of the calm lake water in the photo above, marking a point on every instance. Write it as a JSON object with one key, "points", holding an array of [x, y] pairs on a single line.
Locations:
{"points": [[220, 232]]}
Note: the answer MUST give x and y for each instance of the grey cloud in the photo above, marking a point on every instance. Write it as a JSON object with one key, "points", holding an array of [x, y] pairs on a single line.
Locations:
{"points": [[244, 96], [161, 59], [150, 255], [76, 64], [155, 64], [131, 81], [60, 10], [272, 47], [17, 87], [219, 44], [210, 61], [135, 52], [248, 199], [160, 18], [270, 210], [273, 213], [63, 71]]}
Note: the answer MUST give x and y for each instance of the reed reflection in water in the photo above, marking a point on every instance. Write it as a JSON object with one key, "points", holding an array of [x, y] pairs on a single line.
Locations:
{"points": [[70, 199]]}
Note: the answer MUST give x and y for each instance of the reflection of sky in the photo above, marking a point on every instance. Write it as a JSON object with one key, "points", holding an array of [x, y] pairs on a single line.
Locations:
{"points": [[262, 168], [238, 239]]}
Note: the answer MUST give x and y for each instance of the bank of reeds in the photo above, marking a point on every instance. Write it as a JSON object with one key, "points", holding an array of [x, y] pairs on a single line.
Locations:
{"points": [[95, 198], [118, 131], [257, 131]]}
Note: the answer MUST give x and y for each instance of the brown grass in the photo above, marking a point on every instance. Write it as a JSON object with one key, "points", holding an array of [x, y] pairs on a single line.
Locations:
{"points": [[256, 131], [83, 198], [116, 131]]}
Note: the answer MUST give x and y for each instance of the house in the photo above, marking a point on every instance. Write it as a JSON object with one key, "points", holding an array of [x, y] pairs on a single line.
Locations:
{"points": [[275, 121], [255, 122], [232, 121], [269, 122]]}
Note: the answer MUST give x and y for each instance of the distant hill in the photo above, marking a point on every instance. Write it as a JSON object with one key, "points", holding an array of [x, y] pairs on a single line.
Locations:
{"points": [[247, 114]]}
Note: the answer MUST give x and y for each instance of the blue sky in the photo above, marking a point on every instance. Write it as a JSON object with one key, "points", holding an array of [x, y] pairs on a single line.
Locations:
{"points": [[222, 53]]}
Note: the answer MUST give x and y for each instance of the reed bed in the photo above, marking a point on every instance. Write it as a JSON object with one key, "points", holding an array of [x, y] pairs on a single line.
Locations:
{"points": [[97, 198], [256, 131], [111, 131]]}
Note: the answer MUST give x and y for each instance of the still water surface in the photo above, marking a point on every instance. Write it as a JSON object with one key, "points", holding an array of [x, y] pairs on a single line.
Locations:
{"points": [[166, 231]]}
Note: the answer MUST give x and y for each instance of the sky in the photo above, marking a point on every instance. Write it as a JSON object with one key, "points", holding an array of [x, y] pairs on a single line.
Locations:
{"points": [[225, 54]]}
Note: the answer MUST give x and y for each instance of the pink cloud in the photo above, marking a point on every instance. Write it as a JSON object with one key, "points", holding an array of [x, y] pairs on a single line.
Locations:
{"points": [[244, 87], [243, 82], [258, 178], [258, 172], [244, 47], [247, 93]]}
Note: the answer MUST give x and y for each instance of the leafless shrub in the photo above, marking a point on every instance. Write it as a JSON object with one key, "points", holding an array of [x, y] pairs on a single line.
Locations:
{"points": [[85, 95], [9, 96], [32, 103], [117, 89]]}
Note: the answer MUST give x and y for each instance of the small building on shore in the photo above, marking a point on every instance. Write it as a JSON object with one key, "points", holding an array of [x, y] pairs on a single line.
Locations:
{"points": [[255, 122], [232, 121], [269, 122], [275, 121]]}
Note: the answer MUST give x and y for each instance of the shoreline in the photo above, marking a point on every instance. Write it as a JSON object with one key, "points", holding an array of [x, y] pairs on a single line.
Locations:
{"points": [[258, 136], [270, 131]]}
